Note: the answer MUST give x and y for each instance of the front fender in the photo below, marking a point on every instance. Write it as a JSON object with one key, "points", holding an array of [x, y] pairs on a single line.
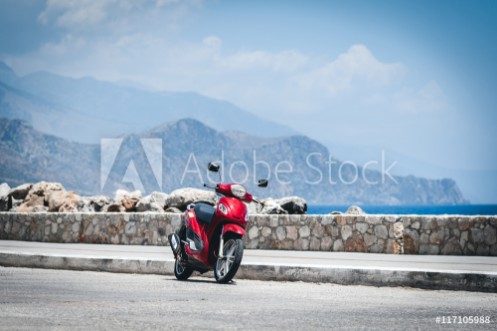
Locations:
{"points": [[233, 228]]}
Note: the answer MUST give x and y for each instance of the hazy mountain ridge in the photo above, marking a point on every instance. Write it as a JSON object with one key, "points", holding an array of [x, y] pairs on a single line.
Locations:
{"points": [[104, 109], [28, 156]]}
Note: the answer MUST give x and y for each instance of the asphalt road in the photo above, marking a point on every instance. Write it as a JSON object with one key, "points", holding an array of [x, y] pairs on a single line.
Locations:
{"points": [[471, 273], [432, 263], [41, 299]]}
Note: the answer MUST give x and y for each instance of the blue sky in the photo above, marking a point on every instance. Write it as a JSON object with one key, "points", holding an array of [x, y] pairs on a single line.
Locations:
{"points": [[412, 77]]}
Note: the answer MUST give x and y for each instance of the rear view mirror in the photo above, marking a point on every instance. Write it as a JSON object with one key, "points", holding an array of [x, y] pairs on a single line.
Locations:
{"points": [[262, 183], [213, 167]]}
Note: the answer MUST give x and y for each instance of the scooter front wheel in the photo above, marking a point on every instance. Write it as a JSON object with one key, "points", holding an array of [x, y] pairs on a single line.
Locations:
{"points": [[227, 266], [181, 272]]}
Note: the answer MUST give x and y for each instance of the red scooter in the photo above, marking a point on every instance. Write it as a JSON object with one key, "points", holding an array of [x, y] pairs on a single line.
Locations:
{"points": [[211, 236]]}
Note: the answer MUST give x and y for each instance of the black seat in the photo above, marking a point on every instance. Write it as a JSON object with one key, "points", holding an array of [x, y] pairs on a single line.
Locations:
{"points": [[204, 212]]}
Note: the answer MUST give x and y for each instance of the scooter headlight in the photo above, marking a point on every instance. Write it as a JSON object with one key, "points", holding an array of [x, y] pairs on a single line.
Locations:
{"points": [[223, 209], [238, 191]]}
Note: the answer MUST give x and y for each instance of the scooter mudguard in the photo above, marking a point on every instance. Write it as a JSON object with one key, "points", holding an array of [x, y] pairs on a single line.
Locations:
{"points": [[233, 228], [196, 236]]}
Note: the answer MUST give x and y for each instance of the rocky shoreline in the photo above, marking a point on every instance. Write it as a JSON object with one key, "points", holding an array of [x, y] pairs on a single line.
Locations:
{"points": [[53, 197]]}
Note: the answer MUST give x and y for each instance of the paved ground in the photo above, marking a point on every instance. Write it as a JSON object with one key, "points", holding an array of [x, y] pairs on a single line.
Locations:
{"points": [[437, 272], [42, 299], [433, 263]]}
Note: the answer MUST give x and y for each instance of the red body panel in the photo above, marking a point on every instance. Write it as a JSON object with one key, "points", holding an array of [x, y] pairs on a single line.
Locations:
{"points": [[225, 189], [234, 228], [199, 228], [236, 210]]}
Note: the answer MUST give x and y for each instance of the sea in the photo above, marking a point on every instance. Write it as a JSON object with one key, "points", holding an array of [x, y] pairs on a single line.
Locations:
{"points": [[419, 210]]}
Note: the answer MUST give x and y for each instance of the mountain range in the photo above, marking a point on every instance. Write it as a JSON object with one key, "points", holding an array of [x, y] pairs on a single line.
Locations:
{"points": [[62, 106], [52, 126], [187, 146]]}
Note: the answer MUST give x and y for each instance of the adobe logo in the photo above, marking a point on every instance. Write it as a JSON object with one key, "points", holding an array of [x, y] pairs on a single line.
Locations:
{"points": [[131, 163]]}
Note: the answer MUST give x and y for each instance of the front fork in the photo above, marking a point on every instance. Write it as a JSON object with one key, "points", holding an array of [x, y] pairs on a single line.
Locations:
{"points": [[221, 244]]}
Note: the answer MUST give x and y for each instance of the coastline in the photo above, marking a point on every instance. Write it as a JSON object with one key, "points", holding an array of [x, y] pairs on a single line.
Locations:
{"points": [[472, 210]]}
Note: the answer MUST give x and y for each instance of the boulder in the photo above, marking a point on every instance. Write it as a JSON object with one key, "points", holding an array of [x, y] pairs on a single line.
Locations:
{"points": [[68, 207], [159, 198], [4, 190], [254, 208], [14, 204], [4, 197], [182, 197], [62, 201], [145, 205], [129, 204], [20, 192], [127, 199], [29, 205], [37, 195], [39, 209], [92, 204], [33, 195], [114, 208], [173, 210], [123, 194], [153, 202], [271, 207], [293, 205], [155, 208], [42, 190], [355, 210], [286, 205], [4, 203]]}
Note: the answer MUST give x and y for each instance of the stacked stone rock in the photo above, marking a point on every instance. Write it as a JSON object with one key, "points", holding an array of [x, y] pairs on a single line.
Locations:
{"points": [[52, 197], [450, 235]]}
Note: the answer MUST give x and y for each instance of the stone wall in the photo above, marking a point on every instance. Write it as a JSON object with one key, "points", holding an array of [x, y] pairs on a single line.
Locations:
{"points": [[408, 234], [95, 228], [450, 235], [375, 234]]}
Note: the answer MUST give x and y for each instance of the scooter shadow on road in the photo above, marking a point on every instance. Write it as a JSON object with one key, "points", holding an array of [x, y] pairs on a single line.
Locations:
{"points": [[202, 280]]}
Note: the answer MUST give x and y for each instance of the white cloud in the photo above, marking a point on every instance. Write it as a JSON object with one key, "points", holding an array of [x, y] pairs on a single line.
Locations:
{"points": [[355, 68], [143, 46], [284, 61], [70, 13], [429, 98], [212, 41], [115, 15], [161, 3]]}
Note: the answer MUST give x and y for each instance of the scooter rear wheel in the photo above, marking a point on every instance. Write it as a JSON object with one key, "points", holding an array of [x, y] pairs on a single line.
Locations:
{"points": [[181, 272], [227, 266]]}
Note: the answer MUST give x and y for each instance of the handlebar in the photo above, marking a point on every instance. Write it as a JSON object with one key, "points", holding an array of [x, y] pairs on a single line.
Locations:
{"points": [[210, 186], [217, 187], [254, 199]]}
